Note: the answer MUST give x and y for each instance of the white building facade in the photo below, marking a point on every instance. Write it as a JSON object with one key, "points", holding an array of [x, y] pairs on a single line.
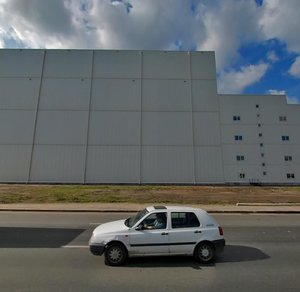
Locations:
{"points": [[138, 117]]}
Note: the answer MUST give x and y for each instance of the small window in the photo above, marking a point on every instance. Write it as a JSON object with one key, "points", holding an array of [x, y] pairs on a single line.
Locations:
{"points": [[184, 220], [240, 157], [288, 158], [242, 175], [238, 138], [259, 125], [236, 118], [257, 105], [260, 135], [264, 173], [262, 154], [285, 138], [290, 175], [282, 118], [258, 115], [261, 144], [263, 164]]}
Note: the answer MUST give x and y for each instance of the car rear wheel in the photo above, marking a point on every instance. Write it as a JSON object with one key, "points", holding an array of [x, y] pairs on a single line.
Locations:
{"points": [[115, 254], [204, 253]]}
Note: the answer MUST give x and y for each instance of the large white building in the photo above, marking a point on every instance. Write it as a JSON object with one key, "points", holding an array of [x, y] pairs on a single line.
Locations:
{"points": [[97, 116]]}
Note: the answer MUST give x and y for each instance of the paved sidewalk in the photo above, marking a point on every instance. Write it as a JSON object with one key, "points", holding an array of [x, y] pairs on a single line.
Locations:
{"points": [[126, 207]]}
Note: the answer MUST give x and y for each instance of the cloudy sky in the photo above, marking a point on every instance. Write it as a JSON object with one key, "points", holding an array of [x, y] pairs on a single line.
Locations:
{"points": [[257, 42]]}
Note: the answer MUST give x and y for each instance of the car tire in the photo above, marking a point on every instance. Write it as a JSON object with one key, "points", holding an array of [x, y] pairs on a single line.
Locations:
{"points": [[115, 254], [205, 253]]}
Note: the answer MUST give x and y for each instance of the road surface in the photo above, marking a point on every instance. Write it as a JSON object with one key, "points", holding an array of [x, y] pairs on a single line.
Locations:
{"points": [[48, 252]]}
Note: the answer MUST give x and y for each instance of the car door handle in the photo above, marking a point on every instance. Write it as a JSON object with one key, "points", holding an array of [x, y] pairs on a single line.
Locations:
{"points": [[165, 233], [197, 231]]}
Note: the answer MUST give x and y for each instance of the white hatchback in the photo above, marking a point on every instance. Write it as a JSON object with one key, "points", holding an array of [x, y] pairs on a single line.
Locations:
{"points": [[159, 230]]}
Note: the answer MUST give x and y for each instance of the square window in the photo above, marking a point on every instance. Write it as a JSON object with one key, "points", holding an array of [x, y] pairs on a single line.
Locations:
{"points": [[260, 134], [282, 118], [285, 138], [263, 164], [261, 144], [238, 138], [262, 154], [236, 118], [288, 158], [242, 175], [257, 105], [259, 125], [290, 175], [264, 173]]}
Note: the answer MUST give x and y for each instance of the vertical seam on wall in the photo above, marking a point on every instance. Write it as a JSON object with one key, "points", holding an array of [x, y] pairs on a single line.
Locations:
{"points": [[141, 120], [36, 117], [192, 118], [89, 118]]}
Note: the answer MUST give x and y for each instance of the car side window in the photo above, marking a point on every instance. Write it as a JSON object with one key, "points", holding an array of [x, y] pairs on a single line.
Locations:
{"points": [[184, 220], [155, 221]]}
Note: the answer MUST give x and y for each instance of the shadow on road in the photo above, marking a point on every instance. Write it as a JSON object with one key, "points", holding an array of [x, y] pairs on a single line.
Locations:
{"points": [[231, 254], [18, 237]]}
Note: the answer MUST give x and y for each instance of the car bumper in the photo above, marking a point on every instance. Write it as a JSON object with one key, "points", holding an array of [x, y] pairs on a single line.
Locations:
{"points": [[219, 245], [97, 250]]}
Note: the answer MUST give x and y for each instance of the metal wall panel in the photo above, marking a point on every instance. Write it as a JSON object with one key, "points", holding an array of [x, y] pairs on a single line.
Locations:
{"points": [[253, 173], [166, 65], [16, 126], [113, 164], [251, 153], [166, 95], [65, 94], [272, 134], [206, 128], [58, 163], [14, 163], [21, 63], [275, 154], [167, 128], [208, 164], [61, 127], [293, 114], [203, 65], [167, 164], [205, 96], [116, 94], [114, 128], [19, 93], [249, 134], [68, 64], [117, 64]]}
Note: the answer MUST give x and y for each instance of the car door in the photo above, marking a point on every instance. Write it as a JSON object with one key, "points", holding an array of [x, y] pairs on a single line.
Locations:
{"points": [[147, 239], [184, 232]]}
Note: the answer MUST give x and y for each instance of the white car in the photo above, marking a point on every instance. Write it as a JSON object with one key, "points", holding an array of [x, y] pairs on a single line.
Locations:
{"points": [[159, 230]]}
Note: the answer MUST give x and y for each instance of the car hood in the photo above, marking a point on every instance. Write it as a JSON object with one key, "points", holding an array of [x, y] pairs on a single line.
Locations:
{"points": [[111, 227]]}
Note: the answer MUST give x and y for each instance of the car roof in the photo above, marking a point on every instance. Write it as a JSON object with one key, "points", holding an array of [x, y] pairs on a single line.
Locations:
{"points": [[174, 208]]}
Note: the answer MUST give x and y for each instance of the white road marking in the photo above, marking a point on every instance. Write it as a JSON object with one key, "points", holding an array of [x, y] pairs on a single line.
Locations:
{"points": [[75, 246]]}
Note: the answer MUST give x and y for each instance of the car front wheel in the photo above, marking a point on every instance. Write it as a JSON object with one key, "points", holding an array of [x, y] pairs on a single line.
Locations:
{"points": [[204, 253], [115, 254]]}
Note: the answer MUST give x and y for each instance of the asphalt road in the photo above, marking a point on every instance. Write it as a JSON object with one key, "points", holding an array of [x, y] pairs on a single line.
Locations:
{"points": [[48, 252]]}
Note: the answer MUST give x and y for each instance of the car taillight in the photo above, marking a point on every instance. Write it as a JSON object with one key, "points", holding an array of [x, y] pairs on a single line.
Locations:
{"points": [[221, 231]]}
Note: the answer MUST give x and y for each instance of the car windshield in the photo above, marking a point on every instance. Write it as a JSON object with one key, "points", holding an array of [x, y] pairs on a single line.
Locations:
{"points": [[133, 220]]}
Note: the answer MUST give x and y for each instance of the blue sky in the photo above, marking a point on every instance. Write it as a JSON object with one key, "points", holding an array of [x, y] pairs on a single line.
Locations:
{"points": [[257, 42]]}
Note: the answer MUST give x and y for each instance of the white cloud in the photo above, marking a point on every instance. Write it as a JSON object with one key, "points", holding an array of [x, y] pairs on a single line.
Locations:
{"points": [[295, 68], [236, 81], [272, 57], [289, 99]]}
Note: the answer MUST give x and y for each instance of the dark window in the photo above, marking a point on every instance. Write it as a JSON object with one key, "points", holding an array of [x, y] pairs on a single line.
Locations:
{"points": [[263, 164], [288, 158], [242, 175], [262, 154], [184, 220], [261, 144], [260, 134], [236, 118], [290, 175], [259, 125], [285, 138], [282, 118], [155, 221], [238, 138], [257, 105], [258, 115], [264, 173], [240, 157]]}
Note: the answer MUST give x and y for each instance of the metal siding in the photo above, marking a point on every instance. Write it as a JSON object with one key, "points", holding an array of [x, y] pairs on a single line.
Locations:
{"points": [[167, 128], [116, 94], [113, 164], [21, 63], [208, 164], [14, 163], [248, 132], [117, 64], [205, 96], [203, 65], [65, 94], [58, 163], [114, 128], [166, 95], [19, 93], [251, 153], [166, 65], [61, 127], [167, 164], [16, 126], [206, 128], [67, 64]]}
